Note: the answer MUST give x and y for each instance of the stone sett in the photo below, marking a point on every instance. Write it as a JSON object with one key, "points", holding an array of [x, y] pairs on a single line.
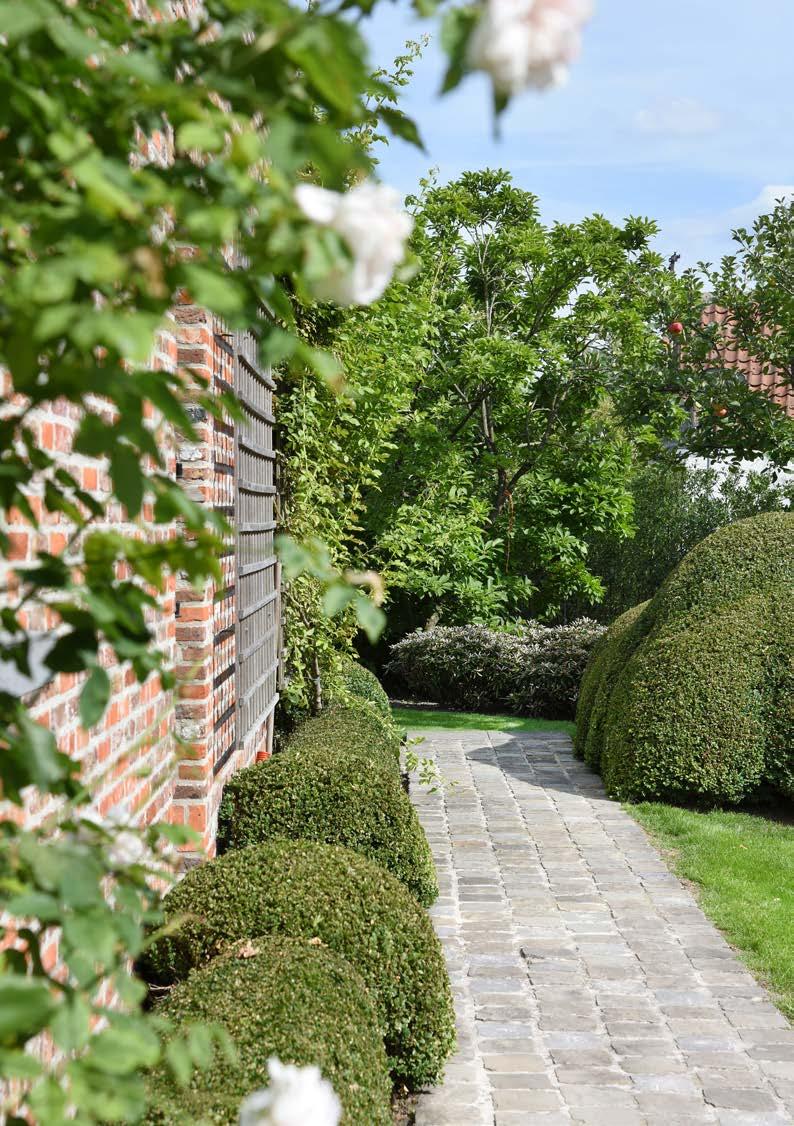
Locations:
{"points": [[589, 986]]}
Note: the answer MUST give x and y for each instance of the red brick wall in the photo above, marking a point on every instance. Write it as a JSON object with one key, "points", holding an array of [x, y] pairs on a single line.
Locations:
{"points": [[158, 755]]}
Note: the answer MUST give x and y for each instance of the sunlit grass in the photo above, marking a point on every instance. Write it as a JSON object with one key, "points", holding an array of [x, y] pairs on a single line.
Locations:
{"points": [[426, 719], [744, 867]]}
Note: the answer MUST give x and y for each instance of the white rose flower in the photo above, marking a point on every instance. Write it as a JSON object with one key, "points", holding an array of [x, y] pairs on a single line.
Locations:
{"points": [[297, 1096], [522, 43], [371, 220]]}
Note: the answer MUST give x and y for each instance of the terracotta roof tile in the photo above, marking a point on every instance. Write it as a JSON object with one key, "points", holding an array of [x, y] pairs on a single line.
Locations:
{"points": [[771, 383]]}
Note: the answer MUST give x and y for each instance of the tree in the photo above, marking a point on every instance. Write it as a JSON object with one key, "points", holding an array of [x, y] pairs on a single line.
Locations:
{"points": [[551, 365], [674, 507]]}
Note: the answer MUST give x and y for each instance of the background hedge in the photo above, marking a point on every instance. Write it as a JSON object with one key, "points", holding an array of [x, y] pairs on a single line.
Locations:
{"points": [[286, 998], [357, 681], [533, 670], [304, 889], [690, 699], [336, 784]]}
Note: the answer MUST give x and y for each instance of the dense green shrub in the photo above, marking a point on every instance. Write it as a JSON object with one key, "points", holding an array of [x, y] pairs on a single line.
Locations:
{"points": [[277, 997], [689, 699], [532, 669], [304, 889], [608, 658], [358, 682], [335, 786], [353, 725]]}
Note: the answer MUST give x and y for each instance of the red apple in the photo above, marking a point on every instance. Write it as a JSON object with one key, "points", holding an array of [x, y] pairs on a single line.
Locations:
{"points": [[676, 328], [719, 410]]}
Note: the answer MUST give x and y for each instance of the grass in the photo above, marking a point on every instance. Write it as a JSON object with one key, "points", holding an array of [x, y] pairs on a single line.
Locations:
{"points": [[744, 867], [429, 719]]}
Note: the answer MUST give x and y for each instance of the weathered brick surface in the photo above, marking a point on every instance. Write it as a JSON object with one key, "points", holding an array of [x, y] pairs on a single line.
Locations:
{"points": [[589, 986], [156, 755]]}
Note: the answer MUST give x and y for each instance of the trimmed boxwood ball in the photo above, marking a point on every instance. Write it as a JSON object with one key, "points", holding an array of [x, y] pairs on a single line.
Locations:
{"points": [[277, 997], [308, 890], [691, 701], [330, 786], [354, 724], [359, 682]]}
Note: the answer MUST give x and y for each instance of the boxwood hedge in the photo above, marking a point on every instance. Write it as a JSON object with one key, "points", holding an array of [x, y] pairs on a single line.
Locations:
{"points": [[358, 682], [353, 724], [332, 784], [309, 890], [277, 997], [689, 699]]}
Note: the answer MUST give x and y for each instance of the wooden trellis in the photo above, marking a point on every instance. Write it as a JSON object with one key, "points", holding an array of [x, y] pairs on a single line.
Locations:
{"points": [[258, 608]]}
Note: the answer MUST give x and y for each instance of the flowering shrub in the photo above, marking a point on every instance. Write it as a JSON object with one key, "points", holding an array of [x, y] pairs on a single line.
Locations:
{"points": [[533, 670], [295, 1096], [522, 43]]}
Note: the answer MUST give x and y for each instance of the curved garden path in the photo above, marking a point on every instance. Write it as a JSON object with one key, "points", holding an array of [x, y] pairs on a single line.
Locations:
{"points": [[589, 986]]}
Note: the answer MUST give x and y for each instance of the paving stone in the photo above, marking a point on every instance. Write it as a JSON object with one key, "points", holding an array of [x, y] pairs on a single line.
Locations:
{"points": [[589, 986]]}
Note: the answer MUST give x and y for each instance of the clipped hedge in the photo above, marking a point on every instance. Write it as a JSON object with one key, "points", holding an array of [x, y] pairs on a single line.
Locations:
{"points": [[353, 724], [357, 681], [609, 656], [689, 699], [277, 997], [309, 890], [336, 785], [533, 669]]}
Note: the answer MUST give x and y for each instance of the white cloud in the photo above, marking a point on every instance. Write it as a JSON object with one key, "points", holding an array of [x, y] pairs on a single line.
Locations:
{"points": [[707, 237], [677, 117]]}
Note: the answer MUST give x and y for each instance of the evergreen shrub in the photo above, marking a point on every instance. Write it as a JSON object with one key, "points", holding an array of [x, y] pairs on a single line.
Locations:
{"points": [[689, 697], [334, 782], [277, 997], [355, 907]]}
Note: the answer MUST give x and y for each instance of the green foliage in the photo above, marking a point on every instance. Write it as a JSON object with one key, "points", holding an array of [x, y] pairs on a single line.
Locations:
{"points": [[550, 372], [674, 507], [99, 239], [59, 886], [532, 669], [308, 890], [358, 682], [756, 285], [277, 997], [606, 663], [338, 782], [683, 702]]}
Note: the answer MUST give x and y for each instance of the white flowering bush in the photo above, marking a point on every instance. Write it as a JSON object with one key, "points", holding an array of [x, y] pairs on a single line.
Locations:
{"points": [[533, 670], [528, 43], [374, 227], [296, 1096]]}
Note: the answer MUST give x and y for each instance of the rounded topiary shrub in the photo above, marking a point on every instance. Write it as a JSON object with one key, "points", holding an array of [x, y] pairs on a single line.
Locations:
{"points": [[691, 703], [277, 997], [357, 909], [352, 725], [359, 682], [607, 661], [327, 786]]}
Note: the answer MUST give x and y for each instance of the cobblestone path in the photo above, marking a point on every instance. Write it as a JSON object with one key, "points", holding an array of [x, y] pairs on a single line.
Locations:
{"points": [[589, 986]]}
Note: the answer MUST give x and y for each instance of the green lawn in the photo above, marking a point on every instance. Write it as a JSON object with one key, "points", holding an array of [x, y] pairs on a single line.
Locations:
{"points": [[744, 867], [431, 720]]}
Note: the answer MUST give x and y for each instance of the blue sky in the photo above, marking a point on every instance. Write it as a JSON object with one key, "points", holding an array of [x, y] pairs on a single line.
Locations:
{"points": [[681, 110]]}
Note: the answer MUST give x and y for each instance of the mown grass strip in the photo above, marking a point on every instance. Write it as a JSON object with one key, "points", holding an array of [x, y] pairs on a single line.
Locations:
{"points": [[429, 719]]}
